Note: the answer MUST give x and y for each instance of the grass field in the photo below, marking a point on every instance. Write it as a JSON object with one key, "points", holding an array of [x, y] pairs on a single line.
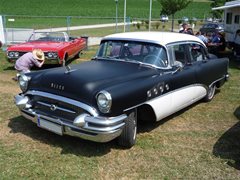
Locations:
{"points": [[28, 11], [200, 142]]}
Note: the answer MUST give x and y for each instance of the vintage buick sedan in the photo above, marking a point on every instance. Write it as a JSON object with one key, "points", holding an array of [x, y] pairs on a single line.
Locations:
{"points": [[58, 47], [138, 76]]}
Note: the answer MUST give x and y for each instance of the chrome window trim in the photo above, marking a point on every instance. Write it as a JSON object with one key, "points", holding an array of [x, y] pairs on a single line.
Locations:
{"points": [[86, 107]]}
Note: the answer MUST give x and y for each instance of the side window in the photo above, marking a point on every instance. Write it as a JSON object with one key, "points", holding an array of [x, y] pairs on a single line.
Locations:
{"points": [[197, 52], [236, 19], [229, 18], [177, 54]]}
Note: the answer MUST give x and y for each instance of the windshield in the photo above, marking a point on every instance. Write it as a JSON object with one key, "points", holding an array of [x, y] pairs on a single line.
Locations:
{"points": [[137, 52], [48, 36]]}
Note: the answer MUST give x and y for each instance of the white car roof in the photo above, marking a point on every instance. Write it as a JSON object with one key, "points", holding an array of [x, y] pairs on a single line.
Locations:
{"points": [[162, 38]]}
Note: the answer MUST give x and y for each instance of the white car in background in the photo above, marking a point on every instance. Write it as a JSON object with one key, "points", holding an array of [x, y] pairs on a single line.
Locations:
{"points": [[164, 18]]}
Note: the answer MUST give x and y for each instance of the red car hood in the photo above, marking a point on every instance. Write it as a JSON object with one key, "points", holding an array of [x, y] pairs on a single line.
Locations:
{"points": [[44, 46]]}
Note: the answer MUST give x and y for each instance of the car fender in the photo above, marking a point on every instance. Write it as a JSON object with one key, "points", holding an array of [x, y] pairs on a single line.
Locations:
{"points": [[176, 100]]}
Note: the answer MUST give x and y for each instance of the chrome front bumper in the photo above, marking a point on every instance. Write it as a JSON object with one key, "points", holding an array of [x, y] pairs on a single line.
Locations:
{"points": [[85, 126]]}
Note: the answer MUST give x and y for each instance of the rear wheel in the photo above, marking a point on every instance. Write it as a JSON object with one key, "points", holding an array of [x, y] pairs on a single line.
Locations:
{"points": [[210, 93], [128, 137]]}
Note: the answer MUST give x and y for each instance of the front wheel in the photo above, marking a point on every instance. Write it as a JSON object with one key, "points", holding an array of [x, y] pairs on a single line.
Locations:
{"points": [[128, 137], [210, 93]]}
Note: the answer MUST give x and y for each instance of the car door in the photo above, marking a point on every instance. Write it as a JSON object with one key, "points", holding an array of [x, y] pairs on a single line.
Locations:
{"points": [[184, 73], [207, 70], [183, 78]]}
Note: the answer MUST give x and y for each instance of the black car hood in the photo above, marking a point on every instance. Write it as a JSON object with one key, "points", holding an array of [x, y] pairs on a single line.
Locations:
{"points": [[85, 80]]}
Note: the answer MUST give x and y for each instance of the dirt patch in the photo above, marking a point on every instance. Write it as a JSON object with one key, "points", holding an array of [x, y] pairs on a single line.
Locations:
{"points": [[7, 85]]}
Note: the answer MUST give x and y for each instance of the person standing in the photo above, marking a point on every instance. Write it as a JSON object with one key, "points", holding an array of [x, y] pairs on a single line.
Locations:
{"points": [[30, 59], [184, 28], [237, 44], [202, 37]]}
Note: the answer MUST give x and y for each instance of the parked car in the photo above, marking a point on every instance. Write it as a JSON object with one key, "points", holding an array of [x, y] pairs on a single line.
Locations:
{"points": [[58, 47], [210, 28], [185, 19], [164, 18], [137, 76]]}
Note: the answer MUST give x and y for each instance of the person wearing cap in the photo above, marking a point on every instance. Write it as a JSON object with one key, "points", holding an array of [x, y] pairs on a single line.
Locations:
{"points": [[30, 59]]}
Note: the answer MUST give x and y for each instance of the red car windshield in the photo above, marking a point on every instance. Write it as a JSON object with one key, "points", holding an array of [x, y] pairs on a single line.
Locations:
{"points": [[48, 36]]}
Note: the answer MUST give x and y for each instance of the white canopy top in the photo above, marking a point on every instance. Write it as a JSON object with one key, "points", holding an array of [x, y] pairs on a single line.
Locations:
{"points": [[231, 4]]}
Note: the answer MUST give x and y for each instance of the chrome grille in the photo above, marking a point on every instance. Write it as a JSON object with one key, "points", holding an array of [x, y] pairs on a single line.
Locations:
{"points": [[55, 108]]}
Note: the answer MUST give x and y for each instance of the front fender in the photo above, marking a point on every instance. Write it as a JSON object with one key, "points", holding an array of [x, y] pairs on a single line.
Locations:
{"points": [[128, 95]]}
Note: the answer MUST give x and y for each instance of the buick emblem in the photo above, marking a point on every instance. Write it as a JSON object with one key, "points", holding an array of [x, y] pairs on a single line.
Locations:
{"points": [[57, 86], [53, 107]]}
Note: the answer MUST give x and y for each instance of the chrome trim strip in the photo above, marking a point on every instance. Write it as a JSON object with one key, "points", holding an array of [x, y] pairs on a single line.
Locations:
{"points": [[57, 107], [217, 80], [86, 107], [104, 121]]}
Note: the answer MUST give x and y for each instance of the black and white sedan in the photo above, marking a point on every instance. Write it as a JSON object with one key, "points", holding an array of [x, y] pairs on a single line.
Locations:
{"points": [[138, 76]]}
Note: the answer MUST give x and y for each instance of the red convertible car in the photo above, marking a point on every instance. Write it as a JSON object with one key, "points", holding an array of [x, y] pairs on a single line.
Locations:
{"points": [[58, 47]]}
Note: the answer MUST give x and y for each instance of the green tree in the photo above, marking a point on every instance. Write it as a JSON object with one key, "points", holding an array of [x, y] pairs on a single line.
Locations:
{"points": [[217, 13], [170, 7]]}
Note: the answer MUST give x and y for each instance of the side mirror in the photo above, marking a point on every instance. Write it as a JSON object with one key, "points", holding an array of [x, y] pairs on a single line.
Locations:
{"points": [[177, 68]]}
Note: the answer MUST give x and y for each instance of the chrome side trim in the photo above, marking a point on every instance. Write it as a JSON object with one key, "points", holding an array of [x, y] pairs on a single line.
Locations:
{"points": [[86, 107], [223, 77]]}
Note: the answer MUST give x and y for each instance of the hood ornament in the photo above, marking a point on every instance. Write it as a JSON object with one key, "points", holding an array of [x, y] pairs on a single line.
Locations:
{"points": [[68, 69]]}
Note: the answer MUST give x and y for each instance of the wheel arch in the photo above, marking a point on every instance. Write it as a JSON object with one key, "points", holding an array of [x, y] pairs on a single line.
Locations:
{"points": [[145, 112]]}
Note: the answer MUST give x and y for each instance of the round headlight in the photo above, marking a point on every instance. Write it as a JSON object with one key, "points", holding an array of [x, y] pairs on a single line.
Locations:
{"points": [[50, 55], [23, 82], [16, 54], [55, 55], [11, 54], [104, 101]]}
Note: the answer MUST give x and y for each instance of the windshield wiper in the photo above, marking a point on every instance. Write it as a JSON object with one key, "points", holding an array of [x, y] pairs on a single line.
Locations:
{"points": [[143, 64]]}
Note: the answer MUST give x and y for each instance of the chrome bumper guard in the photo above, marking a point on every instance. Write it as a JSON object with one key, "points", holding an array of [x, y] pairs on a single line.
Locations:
{"points": [[85, 126]]}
